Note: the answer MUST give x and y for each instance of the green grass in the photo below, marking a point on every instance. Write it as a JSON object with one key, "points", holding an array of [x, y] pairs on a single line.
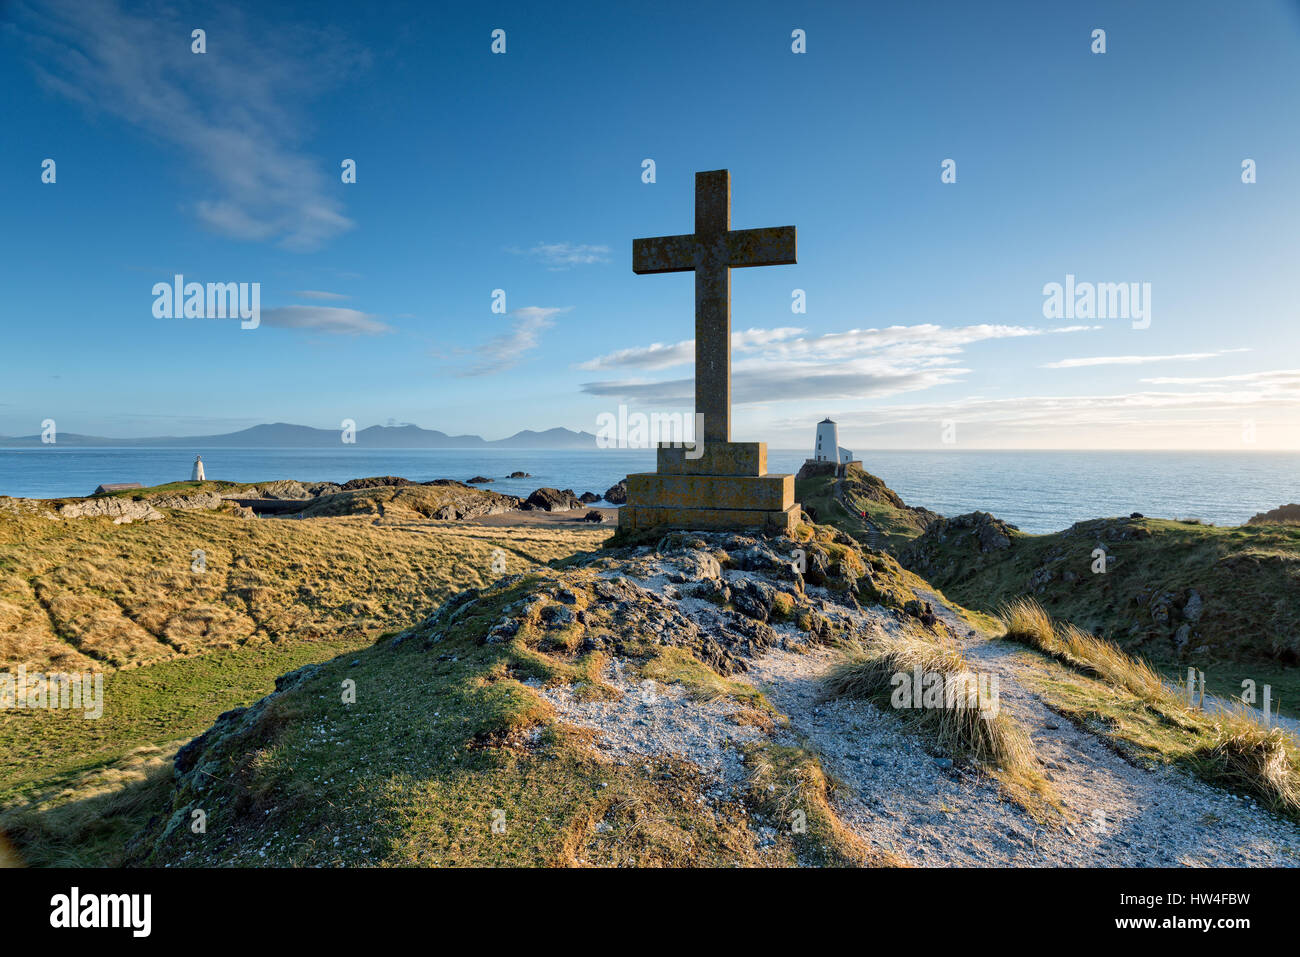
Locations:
{"points": [[87, 595], [445, 739], [861, 491], [1248, 578]]}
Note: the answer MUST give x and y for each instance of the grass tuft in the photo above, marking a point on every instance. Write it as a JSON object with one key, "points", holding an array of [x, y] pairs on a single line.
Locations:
{"points": [[959, 726]]}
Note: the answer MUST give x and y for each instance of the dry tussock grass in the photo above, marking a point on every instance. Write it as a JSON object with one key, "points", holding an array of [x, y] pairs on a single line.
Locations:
{"points": [[1232, 748], [960, 727], [88, 595]]}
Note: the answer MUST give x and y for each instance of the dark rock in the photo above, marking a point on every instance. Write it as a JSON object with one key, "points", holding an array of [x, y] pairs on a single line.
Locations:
{"points": [[586, 498], [317, 489], [595, 515], [714, 590], [617, 494], [480, 480], [753, 598], [921, 610], [551, 500], [377, 481], [818, 571], [187, 757], [1137, 515], [520, 475], [557, 615]]}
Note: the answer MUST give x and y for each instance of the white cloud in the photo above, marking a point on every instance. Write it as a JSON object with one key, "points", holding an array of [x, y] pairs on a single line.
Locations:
{"points": [[504, 351], [783, 365], [1275, 380], [230, 111], [564, 255], [1135, 360], [325, 319], [660, 356], [318, 294]]}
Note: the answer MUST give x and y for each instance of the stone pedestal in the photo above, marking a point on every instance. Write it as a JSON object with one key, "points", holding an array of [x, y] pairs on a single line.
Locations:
{"points": [[727, 486]]}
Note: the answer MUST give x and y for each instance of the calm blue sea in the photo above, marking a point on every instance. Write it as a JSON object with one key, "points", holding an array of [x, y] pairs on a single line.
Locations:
{"points": [[1038, 491]]}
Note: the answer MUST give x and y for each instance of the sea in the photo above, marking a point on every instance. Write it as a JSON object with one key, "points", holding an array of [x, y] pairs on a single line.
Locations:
{"points": [[1038, 491]]}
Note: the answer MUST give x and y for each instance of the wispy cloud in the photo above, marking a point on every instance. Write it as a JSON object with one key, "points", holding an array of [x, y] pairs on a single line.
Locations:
{"points": [[318, 294], [504, 351], [1284, 380], [565, 255], [660, 356], [783, 365], [1222, 401], [324, 319], [1135, 360], [232, 111]]}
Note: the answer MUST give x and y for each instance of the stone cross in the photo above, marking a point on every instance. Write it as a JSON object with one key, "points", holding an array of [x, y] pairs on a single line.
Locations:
{"points": [[712, 251]]}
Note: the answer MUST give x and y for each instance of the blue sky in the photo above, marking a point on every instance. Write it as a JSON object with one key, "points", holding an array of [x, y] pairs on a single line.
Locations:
{"points": [[523, 171]]}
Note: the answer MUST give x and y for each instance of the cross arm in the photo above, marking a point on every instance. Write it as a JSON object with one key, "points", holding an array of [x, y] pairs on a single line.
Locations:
{"points": [[663, 254], [769, 246]]}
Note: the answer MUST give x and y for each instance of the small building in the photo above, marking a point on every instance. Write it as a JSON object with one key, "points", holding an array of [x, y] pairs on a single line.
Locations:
{"points": [[196, 474], [115, 487], [828, 447]]}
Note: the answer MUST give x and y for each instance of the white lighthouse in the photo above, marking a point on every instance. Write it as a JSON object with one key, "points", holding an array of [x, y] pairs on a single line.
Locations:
{"points": [[197, 474], [828, 442], [828, 447]]}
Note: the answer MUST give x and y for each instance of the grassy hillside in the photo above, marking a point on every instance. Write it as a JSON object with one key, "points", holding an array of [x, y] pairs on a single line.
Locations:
{"points": [[451, 754], [178, 647], [1225, 600], [861, 505]]}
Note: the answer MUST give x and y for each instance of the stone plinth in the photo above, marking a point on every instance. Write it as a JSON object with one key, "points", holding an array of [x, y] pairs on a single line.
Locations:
{"points": [[716, 458], [725, 487]]}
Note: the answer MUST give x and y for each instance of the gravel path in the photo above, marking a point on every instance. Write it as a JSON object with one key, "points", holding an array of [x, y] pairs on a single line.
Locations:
{"points": [[896, 796], [654, 719]]}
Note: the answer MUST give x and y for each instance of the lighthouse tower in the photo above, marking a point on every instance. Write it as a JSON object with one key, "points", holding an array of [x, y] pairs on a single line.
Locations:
{"points": [[197, 474], [827, 448]]}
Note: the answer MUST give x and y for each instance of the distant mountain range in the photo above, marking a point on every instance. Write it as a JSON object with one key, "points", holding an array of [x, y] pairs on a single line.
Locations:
{"points": [[282, 435]]}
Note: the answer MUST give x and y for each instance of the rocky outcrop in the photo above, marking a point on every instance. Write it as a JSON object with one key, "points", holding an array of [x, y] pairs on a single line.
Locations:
{"points": [[378, 481], [480, 480], [617, 494], [26, 506], [121, 510], [520, 475], [595, 515], [317, 489], [446, 502], [552, 500], [204, 500], [586, 498], [976, 532], [811, 469], [286, 489]]}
